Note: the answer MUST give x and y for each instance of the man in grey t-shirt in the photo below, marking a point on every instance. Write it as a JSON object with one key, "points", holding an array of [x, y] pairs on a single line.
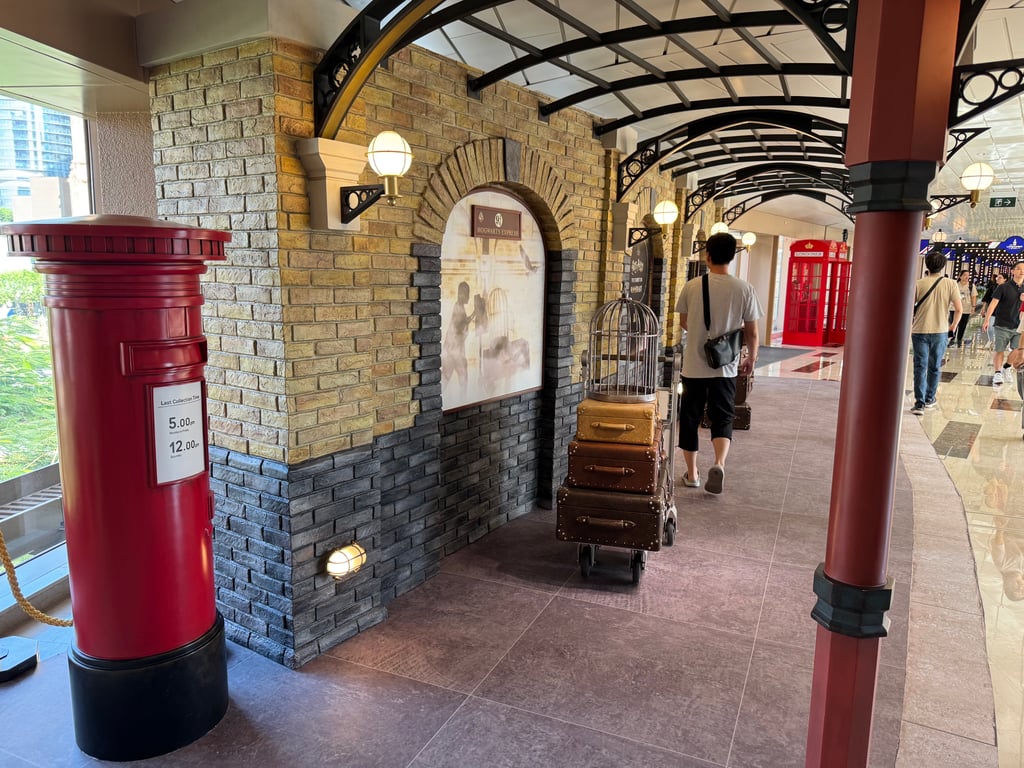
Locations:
{"points": [[733, 305]]}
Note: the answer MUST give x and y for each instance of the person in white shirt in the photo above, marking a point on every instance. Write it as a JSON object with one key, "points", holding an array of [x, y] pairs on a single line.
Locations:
{"points": [[733, 304]]}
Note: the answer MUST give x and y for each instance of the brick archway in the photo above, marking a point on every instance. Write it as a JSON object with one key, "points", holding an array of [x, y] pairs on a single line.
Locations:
{"points": [[498, 163], [506, 164]]}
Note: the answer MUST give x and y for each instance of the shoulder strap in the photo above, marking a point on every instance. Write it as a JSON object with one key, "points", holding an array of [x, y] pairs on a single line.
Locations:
{"points": [[927, 294], [707, 304]]}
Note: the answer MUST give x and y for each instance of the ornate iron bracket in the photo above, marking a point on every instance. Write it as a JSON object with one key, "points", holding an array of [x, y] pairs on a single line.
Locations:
{"points": [[947, 201], [636, 165], [961, 137], [993, 83], [638, 234], [355, 200], [337, 63], [826, 20]]}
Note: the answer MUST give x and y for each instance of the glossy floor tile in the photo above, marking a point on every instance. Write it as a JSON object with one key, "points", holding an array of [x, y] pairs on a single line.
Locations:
{"points": [[509, 658]]}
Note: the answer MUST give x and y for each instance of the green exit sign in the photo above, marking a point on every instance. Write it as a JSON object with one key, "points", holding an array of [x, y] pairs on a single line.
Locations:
{"points": [[1002, 202]]}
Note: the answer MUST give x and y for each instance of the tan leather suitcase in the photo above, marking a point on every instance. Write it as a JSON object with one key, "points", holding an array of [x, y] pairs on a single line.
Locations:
{"points": [[611, 518], [614, 466], [629, 423]]}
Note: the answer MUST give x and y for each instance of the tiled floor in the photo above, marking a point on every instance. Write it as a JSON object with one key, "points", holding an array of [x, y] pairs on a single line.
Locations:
{"points": [[509, 658]]}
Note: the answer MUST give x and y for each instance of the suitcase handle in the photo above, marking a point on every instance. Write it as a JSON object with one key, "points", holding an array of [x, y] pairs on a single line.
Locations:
{"points": [[624, 471], [600, 522], [619, 427]]}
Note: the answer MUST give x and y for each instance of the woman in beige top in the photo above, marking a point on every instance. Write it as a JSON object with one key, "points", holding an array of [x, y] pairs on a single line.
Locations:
{"points": [[969, 300]]}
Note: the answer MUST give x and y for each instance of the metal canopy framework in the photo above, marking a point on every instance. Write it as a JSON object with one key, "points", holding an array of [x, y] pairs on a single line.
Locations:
{"points": [[706, 85]]}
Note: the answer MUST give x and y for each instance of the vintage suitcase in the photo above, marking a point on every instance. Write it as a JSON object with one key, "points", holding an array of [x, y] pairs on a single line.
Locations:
{"points": [[629, 423], [614, 466], [740, 420], [744, 386], [611, 518]]}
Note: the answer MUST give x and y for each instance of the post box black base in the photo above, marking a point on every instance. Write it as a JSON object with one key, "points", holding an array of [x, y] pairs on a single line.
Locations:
{"points": [[138, 708]]}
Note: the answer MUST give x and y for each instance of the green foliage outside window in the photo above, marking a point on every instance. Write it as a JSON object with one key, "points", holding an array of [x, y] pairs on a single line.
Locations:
{"points": [[28, 424]]}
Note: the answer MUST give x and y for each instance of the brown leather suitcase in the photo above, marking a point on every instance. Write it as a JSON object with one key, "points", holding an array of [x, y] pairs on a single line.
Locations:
{"points": [[744, 386], [611, 518], [740, 419], [628, 423], [613, 466]]}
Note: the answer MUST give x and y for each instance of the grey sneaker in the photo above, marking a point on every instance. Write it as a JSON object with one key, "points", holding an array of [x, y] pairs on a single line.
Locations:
{"points": [[716, 477]]}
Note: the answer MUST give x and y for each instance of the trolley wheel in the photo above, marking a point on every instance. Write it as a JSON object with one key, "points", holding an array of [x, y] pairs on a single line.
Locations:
{"points": [[637, 565], [586, 560], [670, 532]]}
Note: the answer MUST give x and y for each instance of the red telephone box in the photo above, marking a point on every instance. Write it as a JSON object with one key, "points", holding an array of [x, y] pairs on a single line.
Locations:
{"points": [[148, 667], [817, 294]]}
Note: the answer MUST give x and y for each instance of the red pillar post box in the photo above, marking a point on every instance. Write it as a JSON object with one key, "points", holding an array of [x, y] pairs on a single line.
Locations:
{"points": [[148, 667]]}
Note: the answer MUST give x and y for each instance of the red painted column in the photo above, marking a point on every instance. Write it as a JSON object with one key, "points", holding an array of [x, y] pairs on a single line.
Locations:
{"points": [[903, 62]]}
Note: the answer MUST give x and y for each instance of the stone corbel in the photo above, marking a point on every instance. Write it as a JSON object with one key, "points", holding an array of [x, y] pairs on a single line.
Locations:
{"points": [[330, 165]]}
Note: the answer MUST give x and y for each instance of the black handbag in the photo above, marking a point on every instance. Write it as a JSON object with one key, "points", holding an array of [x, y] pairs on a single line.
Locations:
{"points": [[724, 349]]}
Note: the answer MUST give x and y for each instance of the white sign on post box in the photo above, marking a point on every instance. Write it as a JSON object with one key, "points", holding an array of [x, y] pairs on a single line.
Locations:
{"points": [[178, 421]]}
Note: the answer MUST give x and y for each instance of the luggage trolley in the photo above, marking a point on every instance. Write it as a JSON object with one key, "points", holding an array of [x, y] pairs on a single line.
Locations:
{"points": [[619, 492]]}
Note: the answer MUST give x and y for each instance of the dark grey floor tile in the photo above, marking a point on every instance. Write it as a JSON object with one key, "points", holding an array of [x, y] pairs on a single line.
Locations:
{"points": [[329, 712], [885, 725], [772, 728], [449, 632], [13, 761], [524, 552], [484, 733], [788, 600], [35, 710], [717, 525], [801, 540], [627, 674], [808, 495], [680, 583]]}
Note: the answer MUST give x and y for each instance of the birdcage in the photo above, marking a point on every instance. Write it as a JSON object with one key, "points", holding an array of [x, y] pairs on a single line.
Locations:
{"points": [[621, 363]]}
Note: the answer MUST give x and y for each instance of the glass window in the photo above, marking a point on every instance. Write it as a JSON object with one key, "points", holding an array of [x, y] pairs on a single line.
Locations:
{"points": [[44, 174]]}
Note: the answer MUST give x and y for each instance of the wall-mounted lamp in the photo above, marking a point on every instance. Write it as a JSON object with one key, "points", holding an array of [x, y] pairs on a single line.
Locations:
{"points": [[939, 236], [665, 213], [976, 178], [389, 157], [718, 227], [748, 239], [345, 561]]}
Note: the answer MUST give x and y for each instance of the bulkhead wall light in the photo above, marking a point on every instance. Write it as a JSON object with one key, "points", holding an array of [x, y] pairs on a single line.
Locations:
{"points": [[389, 157], [345, 561]]}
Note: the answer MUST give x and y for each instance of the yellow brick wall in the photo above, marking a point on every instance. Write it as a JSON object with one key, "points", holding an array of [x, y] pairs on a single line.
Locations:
{"points": [[310, 332]]}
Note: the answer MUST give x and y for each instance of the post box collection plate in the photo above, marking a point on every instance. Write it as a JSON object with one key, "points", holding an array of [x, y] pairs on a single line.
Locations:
{"points": [[178, 428]]}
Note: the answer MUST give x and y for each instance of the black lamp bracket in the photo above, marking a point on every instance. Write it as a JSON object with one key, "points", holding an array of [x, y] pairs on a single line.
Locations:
{"points": [[355, 200], [638, 234]]}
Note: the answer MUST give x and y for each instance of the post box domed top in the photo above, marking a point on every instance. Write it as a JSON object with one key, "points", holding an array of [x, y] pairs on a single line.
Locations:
{"points": [[114, 238]]}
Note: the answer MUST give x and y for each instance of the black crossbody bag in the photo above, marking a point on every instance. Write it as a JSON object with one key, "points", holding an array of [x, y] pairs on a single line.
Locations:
{"points": [[724, 349]]}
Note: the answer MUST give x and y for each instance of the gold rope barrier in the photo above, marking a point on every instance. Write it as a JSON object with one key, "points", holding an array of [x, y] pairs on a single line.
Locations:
{"points": [[26, 606]]}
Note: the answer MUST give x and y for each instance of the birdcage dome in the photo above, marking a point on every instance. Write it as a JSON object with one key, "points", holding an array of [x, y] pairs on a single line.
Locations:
{"points": [[622, 356]]}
